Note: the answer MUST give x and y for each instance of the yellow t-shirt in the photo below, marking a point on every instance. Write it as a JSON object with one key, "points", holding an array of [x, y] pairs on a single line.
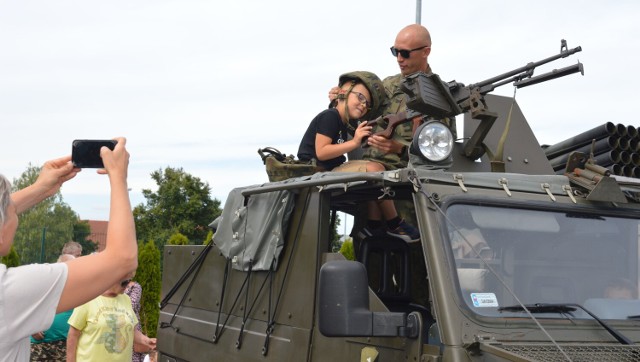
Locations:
{"points": [[107, 326]]}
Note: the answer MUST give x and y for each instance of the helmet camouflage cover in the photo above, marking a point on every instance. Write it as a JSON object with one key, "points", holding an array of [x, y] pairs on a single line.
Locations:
{"points": [[374, 86]]}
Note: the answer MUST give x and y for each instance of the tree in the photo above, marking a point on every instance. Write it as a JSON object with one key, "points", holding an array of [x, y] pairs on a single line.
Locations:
{"points": [[12, 259], [334, 236], [44, 228], [178, 239], [149, 277], [181, 204]]}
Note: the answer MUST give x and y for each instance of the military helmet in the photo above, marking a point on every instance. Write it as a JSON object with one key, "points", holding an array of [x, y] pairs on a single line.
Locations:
{"points": [[372, 83]]}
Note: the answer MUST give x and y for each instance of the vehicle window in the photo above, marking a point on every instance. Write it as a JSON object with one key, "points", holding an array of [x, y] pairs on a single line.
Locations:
{"points": [[544, 257]]}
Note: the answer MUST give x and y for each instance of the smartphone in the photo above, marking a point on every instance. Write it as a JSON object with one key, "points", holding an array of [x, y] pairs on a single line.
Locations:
{"points": [[86, 153]]}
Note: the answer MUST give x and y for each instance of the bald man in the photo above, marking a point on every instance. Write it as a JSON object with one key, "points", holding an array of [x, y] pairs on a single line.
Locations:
{"points": [[411, 48]]}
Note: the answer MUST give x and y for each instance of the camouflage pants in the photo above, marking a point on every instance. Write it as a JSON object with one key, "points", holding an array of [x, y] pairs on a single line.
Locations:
{"points": [[49, 351]]}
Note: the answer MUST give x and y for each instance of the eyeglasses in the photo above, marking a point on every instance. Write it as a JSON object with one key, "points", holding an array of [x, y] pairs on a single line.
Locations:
{"points": [[405, 53], [362, 99], [124, 283]]}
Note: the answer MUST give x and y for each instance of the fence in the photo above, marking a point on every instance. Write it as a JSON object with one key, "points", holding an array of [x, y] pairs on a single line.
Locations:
{"points": [[46, 250]]}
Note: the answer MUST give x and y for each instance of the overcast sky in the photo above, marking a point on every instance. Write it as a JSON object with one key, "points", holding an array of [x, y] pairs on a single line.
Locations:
{"points": [[203, 84]]}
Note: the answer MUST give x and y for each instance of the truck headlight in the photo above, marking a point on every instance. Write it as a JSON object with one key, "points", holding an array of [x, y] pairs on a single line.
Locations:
{"points": [[434, 141]]}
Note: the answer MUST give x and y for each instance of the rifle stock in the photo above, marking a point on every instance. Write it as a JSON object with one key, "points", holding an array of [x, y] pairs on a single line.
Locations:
{"points": [[392, 121]]}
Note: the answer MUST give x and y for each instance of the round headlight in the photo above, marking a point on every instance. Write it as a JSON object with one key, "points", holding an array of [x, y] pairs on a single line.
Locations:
{"points": [[434, 140]]}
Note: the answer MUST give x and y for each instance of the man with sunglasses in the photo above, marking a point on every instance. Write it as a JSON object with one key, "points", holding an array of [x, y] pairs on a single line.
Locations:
{"points": [[411, 49]]}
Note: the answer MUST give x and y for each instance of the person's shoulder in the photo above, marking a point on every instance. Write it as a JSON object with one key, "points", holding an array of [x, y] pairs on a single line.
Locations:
{"points": [[36, 272], [392, 80], [135, 287], [123, 298], [394, 77], [329, 111], [330, 114]]}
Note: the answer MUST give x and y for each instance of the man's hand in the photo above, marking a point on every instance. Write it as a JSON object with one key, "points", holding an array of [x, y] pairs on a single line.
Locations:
{"points": [[38, 336], [333, 93], [384, 144]]}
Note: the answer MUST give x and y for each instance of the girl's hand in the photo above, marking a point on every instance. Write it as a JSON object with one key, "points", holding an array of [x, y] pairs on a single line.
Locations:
{"points": [[362, 131]]}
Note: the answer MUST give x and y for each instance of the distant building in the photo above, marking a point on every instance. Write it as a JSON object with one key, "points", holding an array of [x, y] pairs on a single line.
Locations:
{"points": [[98, 233]]}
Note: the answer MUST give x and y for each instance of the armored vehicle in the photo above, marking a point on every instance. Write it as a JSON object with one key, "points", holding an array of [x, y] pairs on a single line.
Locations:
{"points": [[514, 262]]}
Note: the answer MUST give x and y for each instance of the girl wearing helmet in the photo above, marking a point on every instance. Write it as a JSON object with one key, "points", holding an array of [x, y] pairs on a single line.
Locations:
{"points": [[326, 139]]}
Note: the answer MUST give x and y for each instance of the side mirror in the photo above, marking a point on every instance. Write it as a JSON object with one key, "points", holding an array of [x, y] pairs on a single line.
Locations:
{"points": [[344, 305]]}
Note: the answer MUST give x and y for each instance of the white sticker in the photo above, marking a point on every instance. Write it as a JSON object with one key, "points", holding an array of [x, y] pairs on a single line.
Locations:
{"points": [[482, 300]]}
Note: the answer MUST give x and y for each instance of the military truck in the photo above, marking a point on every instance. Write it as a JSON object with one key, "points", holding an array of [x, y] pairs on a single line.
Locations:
{"points": [[514, 262]]}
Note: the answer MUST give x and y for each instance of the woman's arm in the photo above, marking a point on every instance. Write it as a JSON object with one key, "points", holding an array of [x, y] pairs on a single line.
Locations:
{"points": [[89, 276], [52, 175]]}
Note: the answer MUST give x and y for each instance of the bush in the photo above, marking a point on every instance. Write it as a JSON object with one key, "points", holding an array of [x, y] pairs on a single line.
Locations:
{"points": [[347, 249], [209, 236], [178, 239], [12, 259], [149, 277]]}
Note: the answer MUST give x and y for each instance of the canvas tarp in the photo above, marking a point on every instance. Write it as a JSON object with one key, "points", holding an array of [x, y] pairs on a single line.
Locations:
{"points": [[254, 234]]}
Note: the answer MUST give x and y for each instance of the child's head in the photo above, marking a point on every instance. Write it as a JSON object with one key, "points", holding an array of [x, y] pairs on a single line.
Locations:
{"points": [[357, 99], [360, 93]]}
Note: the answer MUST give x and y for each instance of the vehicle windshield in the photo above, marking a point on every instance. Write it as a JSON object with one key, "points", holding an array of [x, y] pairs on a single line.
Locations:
{"points": [[559, 257]]}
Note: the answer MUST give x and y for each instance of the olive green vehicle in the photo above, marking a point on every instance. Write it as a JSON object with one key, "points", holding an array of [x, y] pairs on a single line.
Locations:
{"points": [[514, 262]]}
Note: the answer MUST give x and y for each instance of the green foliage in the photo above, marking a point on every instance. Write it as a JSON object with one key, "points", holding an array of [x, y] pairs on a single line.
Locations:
{"points": [[81, 231], [149, 277], [334, 236], [208, 238], [178, 239], [12, 259], [347, 249], [44, 228], [182, 204]]}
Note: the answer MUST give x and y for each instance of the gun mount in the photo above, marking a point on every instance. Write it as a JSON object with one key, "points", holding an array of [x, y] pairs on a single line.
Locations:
{"points": [[428, 94]]}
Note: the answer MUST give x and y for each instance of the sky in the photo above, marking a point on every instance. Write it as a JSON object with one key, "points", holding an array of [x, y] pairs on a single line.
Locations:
{"points": [[202, 85]]}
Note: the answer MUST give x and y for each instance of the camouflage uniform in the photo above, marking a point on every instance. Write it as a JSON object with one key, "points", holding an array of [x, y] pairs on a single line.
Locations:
{"points": [[395, 103]]}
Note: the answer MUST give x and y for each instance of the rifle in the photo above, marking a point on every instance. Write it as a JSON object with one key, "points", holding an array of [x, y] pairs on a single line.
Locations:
{"points": [[428, 95]]}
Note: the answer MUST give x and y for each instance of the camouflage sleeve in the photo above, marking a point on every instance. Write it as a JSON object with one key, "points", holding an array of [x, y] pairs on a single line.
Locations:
{"points": [[396, 102]]}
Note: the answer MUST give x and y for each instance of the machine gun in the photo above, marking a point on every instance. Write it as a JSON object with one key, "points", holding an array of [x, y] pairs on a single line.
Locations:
{"points": [[428, 95]]}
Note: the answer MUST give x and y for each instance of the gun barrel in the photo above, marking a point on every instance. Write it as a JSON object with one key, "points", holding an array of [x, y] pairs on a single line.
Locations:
{"points": [[528, 67], [556, 73]]}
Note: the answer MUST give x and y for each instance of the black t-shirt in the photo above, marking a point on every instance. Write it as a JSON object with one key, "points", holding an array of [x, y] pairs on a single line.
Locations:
{"points": [[327, 123]]}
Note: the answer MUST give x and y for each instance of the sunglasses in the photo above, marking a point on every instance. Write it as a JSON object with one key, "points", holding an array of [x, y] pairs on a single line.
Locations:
{"points": [[405, 53], [124, 283], [362, 99]]}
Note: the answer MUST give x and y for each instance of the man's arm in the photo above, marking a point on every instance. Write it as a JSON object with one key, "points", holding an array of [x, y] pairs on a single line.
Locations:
{"points": [[72, 343], [386, 145]]}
